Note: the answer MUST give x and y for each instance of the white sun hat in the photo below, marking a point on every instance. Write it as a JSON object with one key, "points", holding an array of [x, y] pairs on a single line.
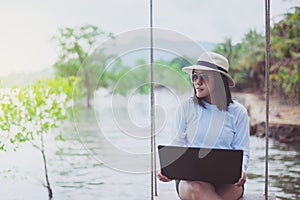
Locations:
{"points": [[211, 61]]}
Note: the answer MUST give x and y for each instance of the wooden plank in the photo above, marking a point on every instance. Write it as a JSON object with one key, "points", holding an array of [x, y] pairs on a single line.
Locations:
{"points": [[167, 195], [257, 196], [247, 196]]}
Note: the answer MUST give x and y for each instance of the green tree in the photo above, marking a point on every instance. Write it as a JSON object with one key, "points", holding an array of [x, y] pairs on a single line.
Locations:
{"points": [[76, 46], [169, 74], [182, 61], [125, 79], [225, 48], [244, 57], [285, 35], [248, 58], [31, 112], [285, 40]]}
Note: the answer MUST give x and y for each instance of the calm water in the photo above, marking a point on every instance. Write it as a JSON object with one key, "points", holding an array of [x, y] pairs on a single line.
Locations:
{"points": [[105, 156]]}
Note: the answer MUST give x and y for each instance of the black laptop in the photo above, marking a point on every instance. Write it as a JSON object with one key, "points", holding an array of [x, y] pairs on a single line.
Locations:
{"points": [[201, 164]]}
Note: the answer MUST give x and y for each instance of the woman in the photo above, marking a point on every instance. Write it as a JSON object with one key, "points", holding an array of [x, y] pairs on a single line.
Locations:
{"points": [[211, 119]]}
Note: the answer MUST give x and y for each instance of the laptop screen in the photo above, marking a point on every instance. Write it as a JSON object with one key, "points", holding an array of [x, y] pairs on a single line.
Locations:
{"points": [[201, 164]]}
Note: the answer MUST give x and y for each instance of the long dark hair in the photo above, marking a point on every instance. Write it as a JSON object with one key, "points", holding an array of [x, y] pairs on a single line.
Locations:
{"points": [[221, 93]]}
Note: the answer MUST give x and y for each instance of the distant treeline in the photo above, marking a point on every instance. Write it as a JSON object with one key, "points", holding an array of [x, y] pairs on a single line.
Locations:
{"points": [[100, 69], [95, 68], [247, 58]]}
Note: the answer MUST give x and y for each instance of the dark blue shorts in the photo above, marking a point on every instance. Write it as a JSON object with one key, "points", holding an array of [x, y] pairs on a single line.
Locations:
{"points": [[177, 186]]}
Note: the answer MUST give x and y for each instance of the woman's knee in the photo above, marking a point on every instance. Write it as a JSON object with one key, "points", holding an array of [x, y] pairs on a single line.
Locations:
{"points": [[230, 192], [194, 189], [199, 186]]}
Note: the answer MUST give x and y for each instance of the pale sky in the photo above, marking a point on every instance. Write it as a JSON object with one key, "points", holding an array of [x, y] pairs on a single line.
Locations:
{"points": [[28, 25]]}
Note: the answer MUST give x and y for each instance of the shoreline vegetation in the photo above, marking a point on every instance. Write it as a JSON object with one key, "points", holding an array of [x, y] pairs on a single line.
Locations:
{"points": [[95, 70], [284, 120]]}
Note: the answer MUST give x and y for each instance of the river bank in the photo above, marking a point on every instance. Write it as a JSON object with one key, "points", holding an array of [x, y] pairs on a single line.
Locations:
{"points": [[284, 120]]}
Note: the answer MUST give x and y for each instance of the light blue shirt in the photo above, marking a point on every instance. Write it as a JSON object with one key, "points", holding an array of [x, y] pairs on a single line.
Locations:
{"points": [[196, 126]]}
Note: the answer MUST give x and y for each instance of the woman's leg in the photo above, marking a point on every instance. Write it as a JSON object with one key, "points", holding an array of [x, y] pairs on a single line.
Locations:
{"points": [[197, 190], [230, 191]]}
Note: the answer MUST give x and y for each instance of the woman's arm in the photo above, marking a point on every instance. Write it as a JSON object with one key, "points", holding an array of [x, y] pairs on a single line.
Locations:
{"points": [[162, 178], [179, 127], [241, 138], [242, 180]]}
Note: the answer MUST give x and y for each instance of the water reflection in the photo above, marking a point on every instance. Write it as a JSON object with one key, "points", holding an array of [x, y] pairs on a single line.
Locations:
{"points": [[78, 171], [284, 169], [285, 162]]}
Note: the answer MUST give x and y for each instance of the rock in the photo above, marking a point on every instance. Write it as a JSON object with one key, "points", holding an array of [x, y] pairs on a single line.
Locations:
{"points": [[285, 133], [284, 120]]}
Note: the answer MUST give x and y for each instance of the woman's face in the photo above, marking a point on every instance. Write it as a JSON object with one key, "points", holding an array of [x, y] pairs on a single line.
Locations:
{"points": [[203, 82]]}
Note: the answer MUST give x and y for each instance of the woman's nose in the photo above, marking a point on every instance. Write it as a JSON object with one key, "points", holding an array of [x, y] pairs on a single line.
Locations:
{"points": [[199, 80]]}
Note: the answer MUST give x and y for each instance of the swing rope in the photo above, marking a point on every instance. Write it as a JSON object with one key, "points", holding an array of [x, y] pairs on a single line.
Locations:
{"points": [[152, 100], [267, 74]]}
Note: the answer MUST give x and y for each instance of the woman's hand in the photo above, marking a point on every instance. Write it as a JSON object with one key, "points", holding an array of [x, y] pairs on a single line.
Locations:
{"points": [[162, 178], [242, 180]]}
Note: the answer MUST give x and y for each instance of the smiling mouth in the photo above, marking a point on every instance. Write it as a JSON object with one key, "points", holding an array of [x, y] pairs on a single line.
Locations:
{"points": [[199, 89]]}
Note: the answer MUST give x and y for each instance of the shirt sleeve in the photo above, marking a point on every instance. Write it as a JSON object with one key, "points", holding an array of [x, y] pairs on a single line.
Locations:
{"points": [[241, 138], [179, 128]]}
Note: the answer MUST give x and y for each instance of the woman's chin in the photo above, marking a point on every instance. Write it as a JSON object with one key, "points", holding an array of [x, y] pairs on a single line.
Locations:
{"points": [[200, 94]]}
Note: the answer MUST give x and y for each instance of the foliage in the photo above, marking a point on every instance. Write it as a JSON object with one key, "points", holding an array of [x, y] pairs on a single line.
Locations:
{"points": [[287, 82], [32, 111], [35, 109], [126, 79], [286, 34], [247, 58], [76, 45], [182, 61], [244, 55], [170, 75], [286, 56]]}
